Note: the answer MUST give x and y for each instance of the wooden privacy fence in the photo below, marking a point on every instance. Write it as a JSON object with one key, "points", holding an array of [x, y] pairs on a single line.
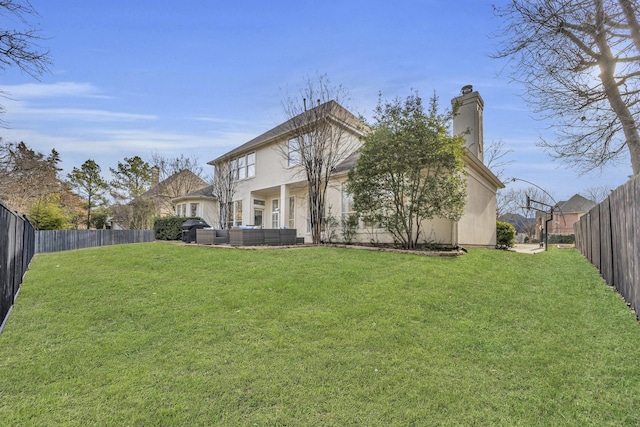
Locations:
{"points": [[607, 236], [64, 240], [16, 252]]}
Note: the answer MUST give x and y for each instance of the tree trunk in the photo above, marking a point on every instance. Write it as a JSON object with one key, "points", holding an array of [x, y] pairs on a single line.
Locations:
{"points": [[632, 21], [607, 64]]}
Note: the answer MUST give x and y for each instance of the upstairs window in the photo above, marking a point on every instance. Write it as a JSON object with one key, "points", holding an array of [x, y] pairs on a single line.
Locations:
{"points": [[244, 166], [251, 165], [294, 151]]}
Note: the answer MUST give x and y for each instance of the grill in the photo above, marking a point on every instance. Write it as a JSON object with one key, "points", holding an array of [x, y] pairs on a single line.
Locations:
{"points": [[189, 228]]}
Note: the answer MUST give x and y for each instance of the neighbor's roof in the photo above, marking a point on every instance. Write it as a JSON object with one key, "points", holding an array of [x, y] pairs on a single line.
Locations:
{"points": [[331, 108], [184, 174], [203, 193], [577, 203]]}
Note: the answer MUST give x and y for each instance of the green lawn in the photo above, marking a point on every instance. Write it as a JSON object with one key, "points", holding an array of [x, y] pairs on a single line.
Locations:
{"points": [[167, 335]]}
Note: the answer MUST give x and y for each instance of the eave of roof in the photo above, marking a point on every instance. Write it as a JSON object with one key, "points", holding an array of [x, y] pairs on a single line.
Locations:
{"points": [[478, 166], [576, 204], [203, 193], [340, 114]]}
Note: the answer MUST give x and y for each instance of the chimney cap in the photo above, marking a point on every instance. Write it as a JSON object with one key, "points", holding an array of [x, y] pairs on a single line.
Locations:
{"points": [[467, 89]]}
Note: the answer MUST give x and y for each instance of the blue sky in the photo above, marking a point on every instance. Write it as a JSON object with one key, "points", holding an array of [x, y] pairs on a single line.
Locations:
{"points": [[197, 78]]}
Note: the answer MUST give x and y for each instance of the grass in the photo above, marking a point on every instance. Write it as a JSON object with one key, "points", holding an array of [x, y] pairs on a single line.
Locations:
{"points": [[163, 334]]}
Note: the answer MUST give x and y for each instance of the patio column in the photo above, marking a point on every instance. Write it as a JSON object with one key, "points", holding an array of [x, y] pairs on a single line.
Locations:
{"points": [[284, 205]]}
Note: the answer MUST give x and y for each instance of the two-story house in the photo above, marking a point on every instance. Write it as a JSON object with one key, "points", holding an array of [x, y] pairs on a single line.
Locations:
{"points": [[271, 191], [565, 215]]}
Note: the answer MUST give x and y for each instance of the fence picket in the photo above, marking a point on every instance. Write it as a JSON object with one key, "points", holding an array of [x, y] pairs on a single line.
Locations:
{"points": [[606, 260], [611, 243]]}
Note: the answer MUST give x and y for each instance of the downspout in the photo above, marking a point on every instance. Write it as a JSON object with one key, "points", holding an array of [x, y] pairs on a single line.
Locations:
{"points": [[454, 233], [546, 229]]}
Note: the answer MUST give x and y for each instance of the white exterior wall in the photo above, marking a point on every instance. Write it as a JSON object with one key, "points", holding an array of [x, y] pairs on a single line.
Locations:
{"points": [[274, 179], [477, 227], [436, 231], [207, 209], [210, 212]]}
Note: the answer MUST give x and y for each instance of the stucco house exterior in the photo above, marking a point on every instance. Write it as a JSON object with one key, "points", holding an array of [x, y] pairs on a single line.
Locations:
{"points": [[271, 190], [200, 203], [163, 193]]}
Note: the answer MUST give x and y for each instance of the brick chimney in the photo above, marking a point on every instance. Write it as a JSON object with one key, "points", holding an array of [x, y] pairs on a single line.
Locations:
{"points": [[469, 119], [155, 176]]}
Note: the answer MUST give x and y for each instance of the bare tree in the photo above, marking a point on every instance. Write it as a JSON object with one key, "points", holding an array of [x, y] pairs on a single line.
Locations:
{"points": [[224, 184], [579, 61], [513, 202], [504, 202], [495, 157], [176, 177], [597, 194], [26, 175], [321, 137], [19, 46]]}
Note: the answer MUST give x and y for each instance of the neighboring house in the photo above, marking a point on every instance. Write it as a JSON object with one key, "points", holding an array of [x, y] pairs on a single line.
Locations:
{"points": [[200, 203], [566, 214], [163, 193], [271, 190]]}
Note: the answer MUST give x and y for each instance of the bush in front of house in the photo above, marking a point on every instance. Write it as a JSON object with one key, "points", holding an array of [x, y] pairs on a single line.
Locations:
{"points": [[169, 227], [562, 239], [505, 235]]}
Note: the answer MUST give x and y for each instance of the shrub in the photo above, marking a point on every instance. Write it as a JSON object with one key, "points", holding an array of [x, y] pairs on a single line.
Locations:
{"points": [[562, 239], [348, 225], [169, 227], [505, 235]]}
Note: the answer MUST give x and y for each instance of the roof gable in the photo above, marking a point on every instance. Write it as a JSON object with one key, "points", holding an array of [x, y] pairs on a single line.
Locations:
{"points": [[577, 203], [288, 129], [203, 193]]}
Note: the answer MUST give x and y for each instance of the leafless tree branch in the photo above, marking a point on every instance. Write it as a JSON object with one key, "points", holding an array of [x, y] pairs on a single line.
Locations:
{"points": [[577, 60]]}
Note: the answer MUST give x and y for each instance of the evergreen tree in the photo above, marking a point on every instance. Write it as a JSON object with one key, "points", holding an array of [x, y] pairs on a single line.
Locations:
{"points": [[410, 169], [89, 185], [131, 179]]}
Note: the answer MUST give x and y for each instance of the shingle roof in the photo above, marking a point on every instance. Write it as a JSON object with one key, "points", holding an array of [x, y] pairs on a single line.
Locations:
{"points": [[330, 108], [203, 192], [577, 203], [349, 163]]}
